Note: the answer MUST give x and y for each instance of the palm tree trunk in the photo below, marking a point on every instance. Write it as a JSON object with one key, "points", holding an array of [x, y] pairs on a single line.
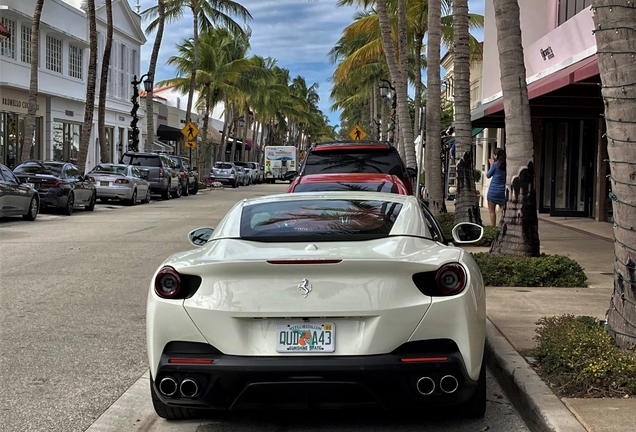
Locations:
{"points": [[402, 90], [616, 44], [467, 204], [246, 123], [434, 181], [103, 83], [152, 67], [205, 143], [419, 43], [33, 85], [518, 232], [87, 126], [224, 133], [195, 61]]}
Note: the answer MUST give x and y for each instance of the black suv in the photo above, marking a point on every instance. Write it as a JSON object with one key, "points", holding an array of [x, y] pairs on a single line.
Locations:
{"points": [[188, 176], [163, 175], [357, 157]]}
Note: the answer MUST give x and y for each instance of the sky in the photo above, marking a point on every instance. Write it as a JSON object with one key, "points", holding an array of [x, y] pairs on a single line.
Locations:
{"points": [[298, 33]]}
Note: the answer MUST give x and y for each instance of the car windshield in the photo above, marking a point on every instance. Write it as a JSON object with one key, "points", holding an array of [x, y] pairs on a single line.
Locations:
{"points": [[243, 164], [39, 168], [387, 187], [110, 169], [149, 161], [220, 165], [354, 161], [319, 220]]}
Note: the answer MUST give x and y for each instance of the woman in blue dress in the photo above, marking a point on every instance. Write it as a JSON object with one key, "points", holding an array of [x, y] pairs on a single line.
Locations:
{"points": [[497, 189]]}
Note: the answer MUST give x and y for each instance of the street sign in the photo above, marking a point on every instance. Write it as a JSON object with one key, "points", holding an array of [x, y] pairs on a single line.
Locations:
{"points": [[190, 131], [302, 154], [190, 144], [357, 133]]}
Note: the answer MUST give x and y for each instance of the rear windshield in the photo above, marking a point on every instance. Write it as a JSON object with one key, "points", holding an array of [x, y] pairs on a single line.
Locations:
{"points": [[354, 161], [243, 164], [219, 165], [112, 169], [37, 168], [387, 187], [319, 220], [149, 161]]}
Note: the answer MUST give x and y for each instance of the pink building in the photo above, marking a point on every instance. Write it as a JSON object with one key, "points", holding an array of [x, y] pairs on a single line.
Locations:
{"points": [[565, 101]]}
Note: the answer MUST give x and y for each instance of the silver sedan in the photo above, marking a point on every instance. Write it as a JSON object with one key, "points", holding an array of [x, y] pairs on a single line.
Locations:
{"points": [[123, 182]]}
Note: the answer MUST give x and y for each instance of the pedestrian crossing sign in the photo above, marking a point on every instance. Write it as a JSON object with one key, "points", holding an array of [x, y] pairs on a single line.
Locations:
{"points": [[190, 131], [357, 133]]}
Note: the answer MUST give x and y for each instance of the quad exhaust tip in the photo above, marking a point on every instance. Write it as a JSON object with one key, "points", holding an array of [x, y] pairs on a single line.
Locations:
{"points": [[425, 386], [448, 384], [168, 386], [189, 388]]}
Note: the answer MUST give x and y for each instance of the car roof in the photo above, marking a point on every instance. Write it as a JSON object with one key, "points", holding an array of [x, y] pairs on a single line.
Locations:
{"points": [[351, 177]]}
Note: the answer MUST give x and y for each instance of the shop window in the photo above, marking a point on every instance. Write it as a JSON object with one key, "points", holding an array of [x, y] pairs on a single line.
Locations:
{"points": [[75, 62], [66, 141], [569, 8], [7, 47], [12, 133], [53, 54], [25, 44]]}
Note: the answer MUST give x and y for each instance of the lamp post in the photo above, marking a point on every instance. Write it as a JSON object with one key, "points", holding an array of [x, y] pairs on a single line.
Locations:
{"points": [[135, 102], [384, 92], [377, 125]]}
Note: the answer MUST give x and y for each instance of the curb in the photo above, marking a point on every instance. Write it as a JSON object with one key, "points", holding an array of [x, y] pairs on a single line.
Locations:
{"points": [[538, 406]]}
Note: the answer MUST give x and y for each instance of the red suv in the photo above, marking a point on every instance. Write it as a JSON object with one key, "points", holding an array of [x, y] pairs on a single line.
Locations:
{"points": [[356, 157]]}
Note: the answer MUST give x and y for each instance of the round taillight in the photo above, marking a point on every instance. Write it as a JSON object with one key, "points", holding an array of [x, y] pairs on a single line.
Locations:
{"points": [[451, 279], [167, 283]]}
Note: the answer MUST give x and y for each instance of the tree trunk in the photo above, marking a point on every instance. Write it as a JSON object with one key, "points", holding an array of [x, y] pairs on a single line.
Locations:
{"points": [[33, 85], [419, 43], [616, 42], [103, 83], [205, 143], [518, 232], [152, 67], [402, 90], [434, 182], [467, 204], [195, 61], [224, 133], [87, 126]]}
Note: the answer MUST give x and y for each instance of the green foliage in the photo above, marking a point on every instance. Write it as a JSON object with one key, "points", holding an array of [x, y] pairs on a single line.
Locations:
{"points": [[542, 271], [447, 222], [477, 175], [580, 358]]}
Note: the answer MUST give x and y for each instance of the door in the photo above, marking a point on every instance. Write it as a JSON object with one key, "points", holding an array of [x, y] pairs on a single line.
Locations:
{"points": [[568, 167]]}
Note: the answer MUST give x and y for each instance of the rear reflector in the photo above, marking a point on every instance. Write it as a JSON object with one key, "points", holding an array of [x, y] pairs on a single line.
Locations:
{"points": [[305, 261], [189, 361], [424, 359]]}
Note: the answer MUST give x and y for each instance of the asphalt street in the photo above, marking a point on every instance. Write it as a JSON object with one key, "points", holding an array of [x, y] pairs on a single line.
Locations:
{"points": [[72, 326]]}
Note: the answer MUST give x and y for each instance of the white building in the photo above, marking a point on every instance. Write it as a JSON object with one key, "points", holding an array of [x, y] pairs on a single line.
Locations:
{"points": [[63, 66]]}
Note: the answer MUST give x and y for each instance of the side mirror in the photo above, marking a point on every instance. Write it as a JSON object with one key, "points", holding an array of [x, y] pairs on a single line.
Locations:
{"points": [[412, 172], [467, 232], [290, 175], [200, 236]]}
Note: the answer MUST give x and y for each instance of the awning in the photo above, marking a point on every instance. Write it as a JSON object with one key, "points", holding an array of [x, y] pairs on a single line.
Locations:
{"points": [[239, 144], [474, 133], [214, 135], [4, 31], [158, 146], [169, 133]]}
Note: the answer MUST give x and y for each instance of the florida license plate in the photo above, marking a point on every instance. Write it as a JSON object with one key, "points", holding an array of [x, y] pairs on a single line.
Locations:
{"points": [[103, 183], [305, 337]]}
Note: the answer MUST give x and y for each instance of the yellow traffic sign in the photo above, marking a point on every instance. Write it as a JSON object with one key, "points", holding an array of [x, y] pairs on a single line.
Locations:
{"points": [[190, 131], [357, 133], [190, 144]]}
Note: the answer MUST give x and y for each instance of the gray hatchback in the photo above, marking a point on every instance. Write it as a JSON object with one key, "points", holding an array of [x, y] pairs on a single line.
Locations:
{"points": [[226, 173]]}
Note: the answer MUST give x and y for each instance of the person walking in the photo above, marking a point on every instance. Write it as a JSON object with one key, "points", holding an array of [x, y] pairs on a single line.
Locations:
{"points": [[497, 189]]}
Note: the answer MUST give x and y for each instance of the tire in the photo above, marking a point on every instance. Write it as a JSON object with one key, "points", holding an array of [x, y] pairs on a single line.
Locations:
{"points": [[186, 191], [104, 200], [235, 184], [168, 412], [34, 207], [177, 193], [132, 201], [70, 203], [475, 407], [165, 195], [195, 189], [146, 199], [91, 204]]}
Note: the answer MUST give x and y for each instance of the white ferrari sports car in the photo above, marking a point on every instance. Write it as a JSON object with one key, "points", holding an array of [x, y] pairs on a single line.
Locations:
{"points": [[319, 300]]}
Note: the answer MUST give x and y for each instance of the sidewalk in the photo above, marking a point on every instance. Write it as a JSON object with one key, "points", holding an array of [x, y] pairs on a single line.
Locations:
{"points": [[512, 315]]}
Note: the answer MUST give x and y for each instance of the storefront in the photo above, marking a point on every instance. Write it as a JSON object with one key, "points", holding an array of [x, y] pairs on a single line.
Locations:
{"points": [[13, 113]]}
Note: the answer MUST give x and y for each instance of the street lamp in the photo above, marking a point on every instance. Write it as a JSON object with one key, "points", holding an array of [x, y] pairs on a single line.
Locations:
{"points": [[135, 102]]}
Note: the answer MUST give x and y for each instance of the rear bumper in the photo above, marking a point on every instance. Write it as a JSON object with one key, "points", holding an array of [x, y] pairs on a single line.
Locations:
{"points": [[234, 382], [114, 192], [160, 186], [224, 180], [56, 198]]}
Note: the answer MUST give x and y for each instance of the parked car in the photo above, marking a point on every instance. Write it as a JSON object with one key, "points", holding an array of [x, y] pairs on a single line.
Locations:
{"points": [[188, 176], [352, 157], [123, 182], [249, 171], [375, 302], [243, 175], [163, 176], [59, 185], [16, 197], [226, 173], [348, 182], [259, 174]]}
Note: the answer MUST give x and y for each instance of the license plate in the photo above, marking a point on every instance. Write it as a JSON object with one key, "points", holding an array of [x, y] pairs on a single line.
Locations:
{"points": [[104, 183], [305, 337]]}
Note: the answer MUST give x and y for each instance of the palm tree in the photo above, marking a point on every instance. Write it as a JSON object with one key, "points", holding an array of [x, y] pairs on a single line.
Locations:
{"points": [[614, 34], [467, 203], [158, 25], [518, 232], [87, 126], [33, 85], [103, 85]]}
